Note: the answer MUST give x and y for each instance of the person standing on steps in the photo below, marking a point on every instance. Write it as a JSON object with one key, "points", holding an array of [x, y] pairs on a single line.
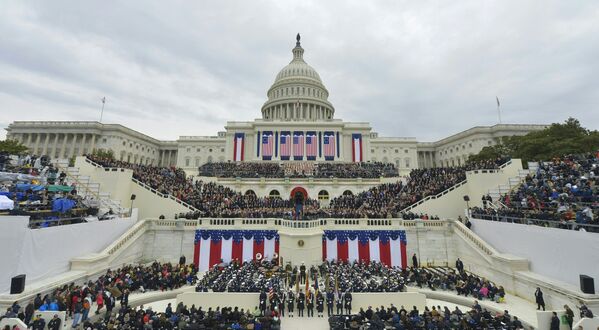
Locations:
{"points": [[539, 299], [414, 261]]}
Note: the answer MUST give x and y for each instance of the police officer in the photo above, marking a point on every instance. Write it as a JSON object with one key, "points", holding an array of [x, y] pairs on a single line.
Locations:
{"points": [[319, 304], [290, 301], [347, 299], [310, 303], [301, 300], [330, 302]]}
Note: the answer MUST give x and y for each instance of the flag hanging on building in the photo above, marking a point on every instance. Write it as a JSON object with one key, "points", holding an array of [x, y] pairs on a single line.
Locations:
{"points": [[311, 145], [298, 145], [238, 147], [385, 246], [267, 145], [356, 147], [215, 246], [285, 144], [329, 145]]}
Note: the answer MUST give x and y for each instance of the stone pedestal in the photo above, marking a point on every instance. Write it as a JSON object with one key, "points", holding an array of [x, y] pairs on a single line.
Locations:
{"points": [[297, 245]]}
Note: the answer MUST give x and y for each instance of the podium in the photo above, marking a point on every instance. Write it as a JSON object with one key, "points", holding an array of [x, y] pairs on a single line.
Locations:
{"points": [[301, 241]]}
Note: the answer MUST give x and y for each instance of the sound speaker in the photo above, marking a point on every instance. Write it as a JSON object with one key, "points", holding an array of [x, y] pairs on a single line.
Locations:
{"points": [[466, 198], [587, 284], [17, 284], [133, 197]]}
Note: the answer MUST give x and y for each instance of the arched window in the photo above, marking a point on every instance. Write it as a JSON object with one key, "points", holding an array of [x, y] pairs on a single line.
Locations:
{"points": [[348, 193], [275, 193], [209, 159], [187, 162], [323, 195], [250, 192]]}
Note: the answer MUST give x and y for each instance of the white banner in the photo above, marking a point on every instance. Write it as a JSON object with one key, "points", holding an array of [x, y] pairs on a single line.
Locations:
{"points": [[226, 250], [395, 246], [331, 249], [248, 249], [204, 255], [375, 250], [352, 250], [269, 248]]}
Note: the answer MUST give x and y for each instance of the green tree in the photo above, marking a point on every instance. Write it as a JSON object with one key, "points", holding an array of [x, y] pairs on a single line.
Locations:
{"points": [[103, 153], [556, 140], [12, 147]]}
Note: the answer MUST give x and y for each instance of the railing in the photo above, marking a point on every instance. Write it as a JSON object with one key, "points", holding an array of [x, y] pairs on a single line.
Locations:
{"points": [[105, 202], [427, 198], [474, 239], [570, 225], [171, 197]]}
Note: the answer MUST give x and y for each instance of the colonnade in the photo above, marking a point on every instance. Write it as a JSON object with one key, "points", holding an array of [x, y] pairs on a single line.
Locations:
{"points": [[290, 111]]}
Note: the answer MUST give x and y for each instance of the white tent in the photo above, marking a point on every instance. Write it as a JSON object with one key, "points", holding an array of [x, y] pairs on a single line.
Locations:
{"points": [[6, 203]]}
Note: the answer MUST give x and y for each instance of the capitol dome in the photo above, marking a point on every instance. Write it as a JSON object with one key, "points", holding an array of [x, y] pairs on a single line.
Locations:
{"points": [[298, 93]]}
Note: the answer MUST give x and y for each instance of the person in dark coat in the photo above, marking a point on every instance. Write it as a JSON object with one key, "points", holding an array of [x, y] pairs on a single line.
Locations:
{"points": [[539, 299], [281, 303], [29, 310], [347, 299], [301, 300], [263, 303], [302, 273], [554, 322], [414, 261], [54, 323], [310, 303], [339, 299], [320, 304], [459, 265], [290, 302], [330, 302]]}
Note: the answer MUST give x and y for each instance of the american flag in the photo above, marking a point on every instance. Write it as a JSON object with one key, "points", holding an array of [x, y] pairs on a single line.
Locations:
{"points": [[298, 145], [271, 293], [285, 145], [329, 146], [267, 144], [311, 145]]}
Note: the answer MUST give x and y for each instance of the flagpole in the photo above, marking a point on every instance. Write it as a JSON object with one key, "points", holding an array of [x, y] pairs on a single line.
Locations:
{"points": [[102, 112], [498, 109]]}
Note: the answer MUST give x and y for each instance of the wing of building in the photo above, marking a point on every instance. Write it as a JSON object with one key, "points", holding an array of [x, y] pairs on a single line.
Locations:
{"points": [[297, 124]]}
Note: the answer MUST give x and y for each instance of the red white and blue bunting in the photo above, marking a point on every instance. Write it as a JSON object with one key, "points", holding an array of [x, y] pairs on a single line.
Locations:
{"points": [[215, 246], [385, 246]]}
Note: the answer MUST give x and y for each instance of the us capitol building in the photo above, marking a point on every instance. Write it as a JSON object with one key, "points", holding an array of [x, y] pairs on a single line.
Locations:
{"points": [[298, 123]]}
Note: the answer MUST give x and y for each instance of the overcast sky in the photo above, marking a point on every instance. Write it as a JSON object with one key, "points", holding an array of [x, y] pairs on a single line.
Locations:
{"points": [[410, 68]]}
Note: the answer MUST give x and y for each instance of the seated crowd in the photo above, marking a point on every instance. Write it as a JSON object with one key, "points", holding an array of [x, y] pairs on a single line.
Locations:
{"points": [[115, 285], [564, 190], [332, 284], [213, 200], [297, 170], [37, 190]]}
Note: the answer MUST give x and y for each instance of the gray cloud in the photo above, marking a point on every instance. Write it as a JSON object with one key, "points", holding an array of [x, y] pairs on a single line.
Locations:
{"points": [[422, 69]]}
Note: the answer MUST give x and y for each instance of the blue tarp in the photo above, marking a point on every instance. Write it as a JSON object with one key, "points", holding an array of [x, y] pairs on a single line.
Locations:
{"points": [[26, 186], [62, 205]]}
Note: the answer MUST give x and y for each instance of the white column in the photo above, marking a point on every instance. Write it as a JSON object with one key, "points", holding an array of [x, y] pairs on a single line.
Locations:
{"points": [[46, 140], [37, 143], [93, 146], [82, 149], [55, 144], [72, 148], [64, 145]]}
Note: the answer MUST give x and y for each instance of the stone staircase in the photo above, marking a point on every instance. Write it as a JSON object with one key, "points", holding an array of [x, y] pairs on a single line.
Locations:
{"points": [[513, 182], [88, 189]]}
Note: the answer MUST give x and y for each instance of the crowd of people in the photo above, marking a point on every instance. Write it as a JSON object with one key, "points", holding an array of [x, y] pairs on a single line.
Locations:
{"points": [[298, 170], [32, 186], [388, 200], [563, 192], [108, 289], [214, 200]]}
